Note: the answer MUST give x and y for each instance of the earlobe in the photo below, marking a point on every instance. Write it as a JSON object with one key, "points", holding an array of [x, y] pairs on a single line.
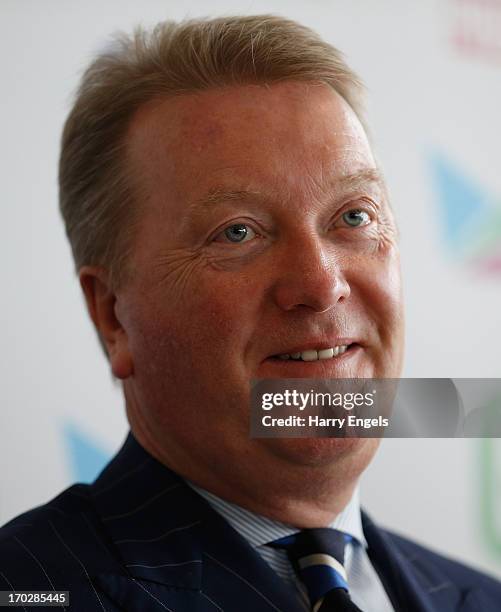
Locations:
{"points": [[101, 303], [120, 358]]}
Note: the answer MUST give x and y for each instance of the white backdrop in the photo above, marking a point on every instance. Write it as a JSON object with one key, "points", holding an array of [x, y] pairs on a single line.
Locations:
{"points": [[433, 72]]}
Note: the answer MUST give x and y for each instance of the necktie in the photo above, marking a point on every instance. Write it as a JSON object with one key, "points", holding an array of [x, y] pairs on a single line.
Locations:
{"points": [[318, 557]]}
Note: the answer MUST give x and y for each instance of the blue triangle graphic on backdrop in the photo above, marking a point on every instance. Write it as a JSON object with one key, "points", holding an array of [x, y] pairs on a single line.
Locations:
{"points": [[461, 201], [85, 457]]}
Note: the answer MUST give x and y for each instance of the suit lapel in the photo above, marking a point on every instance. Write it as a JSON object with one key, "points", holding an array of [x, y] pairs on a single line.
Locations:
{"points": [[175, 550], [234, 570], [411, 586]]}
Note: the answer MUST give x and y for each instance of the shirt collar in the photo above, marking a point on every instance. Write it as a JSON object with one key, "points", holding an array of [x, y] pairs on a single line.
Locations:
{"points": [[260, 530]]}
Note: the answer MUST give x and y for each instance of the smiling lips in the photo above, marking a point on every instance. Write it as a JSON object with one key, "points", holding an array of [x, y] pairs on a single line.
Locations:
{"points": [[315, 355]]}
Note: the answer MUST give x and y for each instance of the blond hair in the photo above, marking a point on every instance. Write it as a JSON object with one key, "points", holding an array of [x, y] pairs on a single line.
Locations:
{"points": [[97, 199]]}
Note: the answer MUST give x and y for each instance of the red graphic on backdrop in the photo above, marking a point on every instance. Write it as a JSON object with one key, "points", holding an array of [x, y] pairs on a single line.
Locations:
{"points": [[476, 28]]}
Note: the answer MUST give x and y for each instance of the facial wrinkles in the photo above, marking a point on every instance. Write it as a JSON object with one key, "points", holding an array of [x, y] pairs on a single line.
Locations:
{"points": [[386, 235], [315, 178], [313, 170], [175, 270], [177, 267]]}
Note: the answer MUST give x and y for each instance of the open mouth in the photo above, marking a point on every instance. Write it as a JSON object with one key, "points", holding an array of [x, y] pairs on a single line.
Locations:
{"points": [[316, 355]]}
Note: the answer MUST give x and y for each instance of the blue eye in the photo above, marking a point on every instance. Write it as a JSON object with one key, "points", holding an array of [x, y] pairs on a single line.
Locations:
{"points": [[238, 232], [356, 217]]}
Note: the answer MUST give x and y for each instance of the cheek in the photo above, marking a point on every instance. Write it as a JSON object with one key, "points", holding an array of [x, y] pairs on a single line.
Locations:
{"points": [[384, 283], [192, 357], [384, 307], [387, 294], [222, 311], [211, 324], [378, 290]]}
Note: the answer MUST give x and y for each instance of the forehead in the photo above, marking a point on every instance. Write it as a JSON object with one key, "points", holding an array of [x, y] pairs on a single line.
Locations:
{"points": [[282, 135]]}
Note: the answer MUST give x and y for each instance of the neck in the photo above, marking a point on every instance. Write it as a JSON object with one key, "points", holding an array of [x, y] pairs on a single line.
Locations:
{"points": [[302, 494], [300, 510]]}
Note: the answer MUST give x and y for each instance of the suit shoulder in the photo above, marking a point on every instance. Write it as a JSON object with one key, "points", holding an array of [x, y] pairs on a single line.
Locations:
{"points": [[429, 563], [69, 502]]}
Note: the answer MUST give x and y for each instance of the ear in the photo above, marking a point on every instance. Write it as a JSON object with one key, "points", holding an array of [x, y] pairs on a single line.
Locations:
{"points": [[101, 302]]}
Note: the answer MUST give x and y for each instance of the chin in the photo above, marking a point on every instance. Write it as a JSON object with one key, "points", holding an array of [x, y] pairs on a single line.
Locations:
{"points": [[324, 452]]}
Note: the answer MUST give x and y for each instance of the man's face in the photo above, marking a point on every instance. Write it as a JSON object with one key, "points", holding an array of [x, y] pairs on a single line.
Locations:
{"points": [[265, 231]]}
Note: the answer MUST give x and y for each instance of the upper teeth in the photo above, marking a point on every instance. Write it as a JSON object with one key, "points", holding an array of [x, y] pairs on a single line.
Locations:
{"points": [[312, 355]]}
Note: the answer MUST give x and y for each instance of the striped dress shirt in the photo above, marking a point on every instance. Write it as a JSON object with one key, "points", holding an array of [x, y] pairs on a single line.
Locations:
{"points": [[366, 589]]}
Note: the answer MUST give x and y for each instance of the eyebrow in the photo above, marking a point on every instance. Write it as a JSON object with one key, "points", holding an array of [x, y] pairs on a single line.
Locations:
{"points": [[347, 182], [220, 194], [361, 178]]}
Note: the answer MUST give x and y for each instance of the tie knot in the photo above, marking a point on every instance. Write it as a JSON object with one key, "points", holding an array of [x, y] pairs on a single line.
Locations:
{"points": [[320, 541], [318, 557]]}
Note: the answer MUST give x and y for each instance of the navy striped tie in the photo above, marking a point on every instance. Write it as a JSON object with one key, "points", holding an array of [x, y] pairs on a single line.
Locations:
{"points": [[318, 558]]}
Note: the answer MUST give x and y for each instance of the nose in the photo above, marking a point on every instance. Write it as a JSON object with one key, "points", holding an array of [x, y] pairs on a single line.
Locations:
{"points": [[310, 275]]}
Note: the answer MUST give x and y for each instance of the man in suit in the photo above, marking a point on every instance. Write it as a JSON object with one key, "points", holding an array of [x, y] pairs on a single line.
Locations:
{"points": [[229, 222]]}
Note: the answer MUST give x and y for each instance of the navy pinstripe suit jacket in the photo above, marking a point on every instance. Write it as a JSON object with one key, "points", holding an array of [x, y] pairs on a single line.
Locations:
{"points": [[139, 539]]}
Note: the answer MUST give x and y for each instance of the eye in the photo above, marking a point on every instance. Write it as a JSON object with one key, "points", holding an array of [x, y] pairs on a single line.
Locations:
{"points": [[238, 232], [356, 217]]}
